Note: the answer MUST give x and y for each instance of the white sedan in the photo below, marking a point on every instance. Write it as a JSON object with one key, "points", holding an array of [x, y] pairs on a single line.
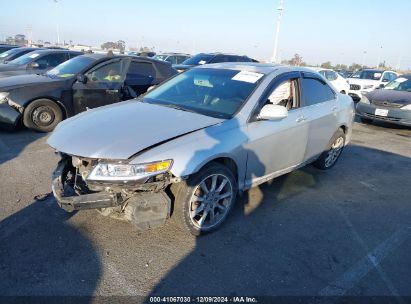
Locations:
{"points": [[339, 82]]}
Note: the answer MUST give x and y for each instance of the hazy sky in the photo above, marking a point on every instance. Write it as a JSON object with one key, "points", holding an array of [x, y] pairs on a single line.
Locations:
{"points": [[319, 30]]}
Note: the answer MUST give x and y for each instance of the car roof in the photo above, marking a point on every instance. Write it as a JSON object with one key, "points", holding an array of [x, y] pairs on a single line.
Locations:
{"points": [[263, 68], [374, 70], [174, 54], [320, 69], [104, 56], [46, 51]]}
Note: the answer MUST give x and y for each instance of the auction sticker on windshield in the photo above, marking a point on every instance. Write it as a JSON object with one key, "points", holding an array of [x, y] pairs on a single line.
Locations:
{"points": [[246, 76], [34, 55], [381, 112]]}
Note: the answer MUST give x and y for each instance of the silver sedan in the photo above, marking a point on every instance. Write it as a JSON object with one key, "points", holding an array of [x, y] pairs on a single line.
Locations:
{"points": [[190, 145]]}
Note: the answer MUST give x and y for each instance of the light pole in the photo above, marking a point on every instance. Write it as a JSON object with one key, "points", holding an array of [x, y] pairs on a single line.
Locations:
{"points": [[280, 10], [57, 22], [363, 58], [379, 57]]}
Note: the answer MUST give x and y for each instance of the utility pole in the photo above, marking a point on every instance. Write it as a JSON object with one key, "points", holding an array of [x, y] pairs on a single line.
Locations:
{"points": [[379, 57], [57, 22], [363, 58], [280, 10]]}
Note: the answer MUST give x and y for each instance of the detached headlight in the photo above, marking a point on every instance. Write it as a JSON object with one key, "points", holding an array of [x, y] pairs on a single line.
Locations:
{"points": [[407, 107], [128, 172], [368, 86], [3, 97], [364, 99]]}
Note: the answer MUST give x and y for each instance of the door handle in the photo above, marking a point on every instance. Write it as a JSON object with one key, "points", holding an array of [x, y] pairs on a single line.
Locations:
{"points": [[111, 91], [300, 119]]}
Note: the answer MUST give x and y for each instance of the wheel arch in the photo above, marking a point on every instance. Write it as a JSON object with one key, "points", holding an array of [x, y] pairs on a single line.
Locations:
{"points": [[55, 100], [226, 161]]}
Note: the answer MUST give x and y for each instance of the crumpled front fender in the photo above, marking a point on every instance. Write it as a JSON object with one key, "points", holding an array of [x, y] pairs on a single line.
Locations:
{"points": [[9, 117]]}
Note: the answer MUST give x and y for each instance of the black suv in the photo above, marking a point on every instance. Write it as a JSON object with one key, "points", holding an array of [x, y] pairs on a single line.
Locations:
{"points": [[205, 58]]}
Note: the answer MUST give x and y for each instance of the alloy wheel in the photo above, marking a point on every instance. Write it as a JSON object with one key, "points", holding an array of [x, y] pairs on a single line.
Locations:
{"points": [[211, 201]]}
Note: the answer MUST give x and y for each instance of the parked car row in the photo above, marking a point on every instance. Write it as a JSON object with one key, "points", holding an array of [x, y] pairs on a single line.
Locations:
{"points": [[392, 103], [36, 62], [367, 80], [84, 82], [41, 88]]}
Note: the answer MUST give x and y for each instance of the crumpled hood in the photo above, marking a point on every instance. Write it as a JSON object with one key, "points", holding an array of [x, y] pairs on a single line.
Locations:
{"points": [[24, 80], [400, 97], [11, 67], [121, 130]]}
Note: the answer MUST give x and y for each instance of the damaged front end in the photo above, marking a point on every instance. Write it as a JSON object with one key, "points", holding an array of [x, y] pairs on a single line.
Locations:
{"points": [[10, 112], [135, 196]]}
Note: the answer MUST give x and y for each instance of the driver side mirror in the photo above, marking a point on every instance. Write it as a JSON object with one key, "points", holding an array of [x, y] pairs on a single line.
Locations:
{"points": [[381, 85], [273, 112], [82, 78], [33, 65]]}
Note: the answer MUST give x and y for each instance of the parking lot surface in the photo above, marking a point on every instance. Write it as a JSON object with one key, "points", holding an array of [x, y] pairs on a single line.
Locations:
{"points": [[346, 231]]}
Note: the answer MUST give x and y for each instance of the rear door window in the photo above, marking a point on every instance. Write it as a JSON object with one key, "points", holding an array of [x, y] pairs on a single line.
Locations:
{"points": [[314, 91], [141, 73]]}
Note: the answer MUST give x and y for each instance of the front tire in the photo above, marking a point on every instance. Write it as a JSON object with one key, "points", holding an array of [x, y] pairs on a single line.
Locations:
{"points": [[42, 115], [205, 199], [329, 158]]}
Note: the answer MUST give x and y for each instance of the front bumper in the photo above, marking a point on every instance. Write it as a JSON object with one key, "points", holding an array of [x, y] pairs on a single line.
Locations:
{"points": [[394, 115], [9, 117], [143, 209], [67, 200]]}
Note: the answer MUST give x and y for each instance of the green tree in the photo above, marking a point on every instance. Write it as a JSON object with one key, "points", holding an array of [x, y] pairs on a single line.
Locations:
{"points": [[326, 65], [341, 67], [355, 66]]}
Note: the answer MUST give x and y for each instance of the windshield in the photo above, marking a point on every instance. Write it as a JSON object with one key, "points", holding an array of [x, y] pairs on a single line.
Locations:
{"points": [[71, 67], [25, 58], [198, 59], [399, 84], [211, 92], [367, 74]]}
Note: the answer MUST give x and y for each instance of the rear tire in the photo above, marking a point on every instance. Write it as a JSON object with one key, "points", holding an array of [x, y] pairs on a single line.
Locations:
{"points": [[42, 115], [329, 158], [205, 199]]}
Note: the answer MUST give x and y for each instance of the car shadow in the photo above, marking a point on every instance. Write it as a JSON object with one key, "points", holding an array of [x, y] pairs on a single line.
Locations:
{"points": [[12, 143], [41, 254]]}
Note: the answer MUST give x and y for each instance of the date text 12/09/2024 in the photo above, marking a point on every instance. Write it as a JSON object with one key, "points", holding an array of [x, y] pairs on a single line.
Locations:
{"points": [[234, 299]]}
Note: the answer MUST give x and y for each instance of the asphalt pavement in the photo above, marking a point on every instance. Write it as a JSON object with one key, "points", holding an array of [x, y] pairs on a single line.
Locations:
{"points": [[342, 232]]}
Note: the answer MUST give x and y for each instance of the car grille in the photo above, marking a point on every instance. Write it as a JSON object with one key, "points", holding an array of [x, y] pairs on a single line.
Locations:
{"points": [[355, 87], [387, 104], [381, 117]]}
